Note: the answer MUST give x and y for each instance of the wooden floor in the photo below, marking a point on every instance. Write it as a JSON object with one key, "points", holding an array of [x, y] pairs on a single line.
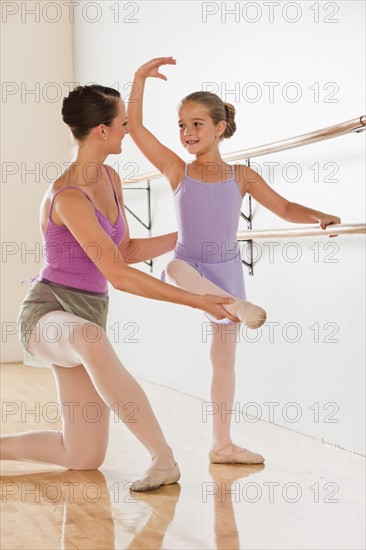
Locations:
{"points": [[308, 495]]}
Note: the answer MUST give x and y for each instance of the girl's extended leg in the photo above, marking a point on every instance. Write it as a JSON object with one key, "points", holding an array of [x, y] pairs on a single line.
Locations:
{"points": [[180, 273], [74, 343]]}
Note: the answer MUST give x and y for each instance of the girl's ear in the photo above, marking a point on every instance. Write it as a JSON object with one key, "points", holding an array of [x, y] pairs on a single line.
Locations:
{"points": [[220, 128]]}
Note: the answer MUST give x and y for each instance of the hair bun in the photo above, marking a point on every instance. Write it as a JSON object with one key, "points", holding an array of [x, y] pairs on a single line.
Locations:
{"points": [[226, 111], [230, 120], [88, 106], [79, 90]]}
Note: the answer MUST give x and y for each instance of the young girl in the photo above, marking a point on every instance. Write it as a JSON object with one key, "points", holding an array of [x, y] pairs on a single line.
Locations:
{"points": [[208, 196], [63, 316]]}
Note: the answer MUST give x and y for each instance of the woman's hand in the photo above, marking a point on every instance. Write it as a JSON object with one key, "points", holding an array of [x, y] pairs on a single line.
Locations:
{"points": [[328, 219], [151, 68], [213, 305]]}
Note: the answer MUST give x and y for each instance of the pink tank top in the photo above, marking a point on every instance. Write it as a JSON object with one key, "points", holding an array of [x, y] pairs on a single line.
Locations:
{"points": [[66, 263]]}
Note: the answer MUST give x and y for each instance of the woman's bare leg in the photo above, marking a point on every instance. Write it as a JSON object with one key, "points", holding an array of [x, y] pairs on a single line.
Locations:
{"points": [[70, 343]]}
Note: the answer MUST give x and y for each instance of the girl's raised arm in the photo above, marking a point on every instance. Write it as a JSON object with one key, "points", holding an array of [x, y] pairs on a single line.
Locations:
{"points": [[165, 160]]}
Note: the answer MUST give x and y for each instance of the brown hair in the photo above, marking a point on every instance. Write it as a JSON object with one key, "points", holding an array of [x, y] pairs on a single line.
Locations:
{"points": [[88, 106], [217, 109]]}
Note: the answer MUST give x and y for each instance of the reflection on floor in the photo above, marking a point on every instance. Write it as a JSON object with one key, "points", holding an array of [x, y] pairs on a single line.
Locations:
{"points": [[306, 496]]}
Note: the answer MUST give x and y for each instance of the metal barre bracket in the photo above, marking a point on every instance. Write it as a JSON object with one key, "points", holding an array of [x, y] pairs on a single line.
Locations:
{"points": [[147, 225], [248, 219]]}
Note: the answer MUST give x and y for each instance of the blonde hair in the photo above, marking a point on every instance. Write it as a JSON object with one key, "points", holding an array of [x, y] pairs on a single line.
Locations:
{"points": [[218, 110]]}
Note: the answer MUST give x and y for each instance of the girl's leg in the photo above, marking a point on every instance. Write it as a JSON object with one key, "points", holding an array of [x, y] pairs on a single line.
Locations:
{"points": [[222, 353], [223, 348], [183, 275], [69, 341]]}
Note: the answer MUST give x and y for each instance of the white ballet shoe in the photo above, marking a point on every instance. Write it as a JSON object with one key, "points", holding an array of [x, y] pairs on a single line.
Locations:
{"points": [[237, 455], [163, 471], [249, 314]]}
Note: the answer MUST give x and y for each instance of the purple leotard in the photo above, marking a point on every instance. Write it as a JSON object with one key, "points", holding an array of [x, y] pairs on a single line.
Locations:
{"points": [[66, 263], [208, 217]]}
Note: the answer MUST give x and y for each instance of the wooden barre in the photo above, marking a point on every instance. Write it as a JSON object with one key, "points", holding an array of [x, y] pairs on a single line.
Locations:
{"points": [[336, 229], [354, 125]]}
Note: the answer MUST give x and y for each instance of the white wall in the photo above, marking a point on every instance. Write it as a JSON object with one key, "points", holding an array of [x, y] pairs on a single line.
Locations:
{"points": [[36, 54], [170, 347], [322, 372]]}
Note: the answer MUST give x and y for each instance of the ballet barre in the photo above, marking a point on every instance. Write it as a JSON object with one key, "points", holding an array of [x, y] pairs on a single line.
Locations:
{"points": [[334, 229], [356, 125], [331, 230]]}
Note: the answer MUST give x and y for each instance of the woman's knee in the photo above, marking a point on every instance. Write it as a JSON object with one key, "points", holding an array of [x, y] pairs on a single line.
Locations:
{"points": [[90, 459]]}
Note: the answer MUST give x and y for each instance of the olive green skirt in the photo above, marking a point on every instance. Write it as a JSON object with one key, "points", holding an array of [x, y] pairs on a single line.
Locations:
{"points": [[43, 298]]}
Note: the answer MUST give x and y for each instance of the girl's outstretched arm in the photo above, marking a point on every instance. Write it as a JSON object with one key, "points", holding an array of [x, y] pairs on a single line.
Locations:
{"points": [[257, 188], [165, 160]]}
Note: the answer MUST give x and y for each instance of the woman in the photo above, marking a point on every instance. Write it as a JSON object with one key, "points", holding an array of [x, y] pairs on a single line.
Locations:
{"points": [[63, 316], [208, 195]]}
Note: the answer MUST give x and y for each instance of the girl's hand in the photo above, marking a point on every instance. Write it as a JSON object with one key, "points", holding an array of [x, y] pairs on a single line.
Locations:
{"points": [[213, 305], [151, 68], [327, 219]]}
